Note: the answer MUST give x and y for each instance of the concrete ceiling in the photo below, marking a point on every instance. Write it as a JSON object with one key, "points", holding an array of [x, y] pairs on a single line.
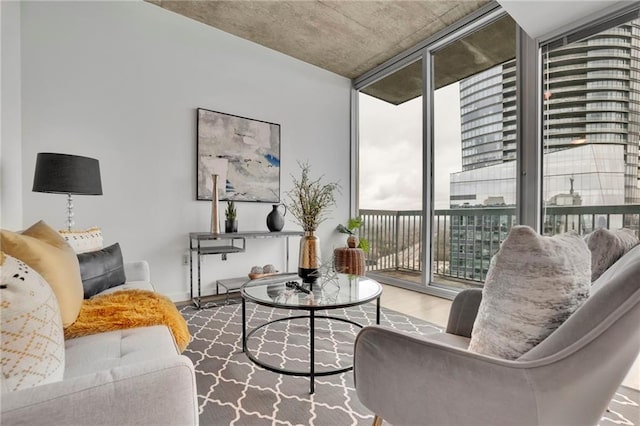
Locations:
{"points": [[348, 38], [351, 37], [478, 51]]}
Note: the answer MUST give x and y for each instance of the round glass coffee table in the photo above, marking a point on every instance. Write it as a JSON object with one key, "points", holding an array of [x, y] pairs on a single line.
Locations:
{"points": [[286, 291]]}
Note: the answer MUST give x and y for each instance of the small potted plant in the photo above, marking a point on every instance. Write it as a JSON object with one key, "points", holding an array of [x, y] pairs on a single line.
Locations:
{"points": [[231, 223], [352, 229]]}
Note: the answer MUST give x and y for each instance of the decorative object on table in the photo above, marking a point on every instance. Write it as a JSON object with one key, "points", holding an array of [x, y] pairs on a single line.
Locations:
{"points": [[327, 274], [215, 219], [309, 258], [230, 224], [274, 291], [245, 153], [349, 260], [67, 174], [275, 219], [309, 201], [262, 271], [353, 241]]}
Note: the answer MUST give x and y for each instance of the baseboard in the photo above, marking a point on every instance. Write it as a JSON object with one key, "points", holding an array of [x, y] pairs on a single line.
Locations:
{"points": [[186, 296]]}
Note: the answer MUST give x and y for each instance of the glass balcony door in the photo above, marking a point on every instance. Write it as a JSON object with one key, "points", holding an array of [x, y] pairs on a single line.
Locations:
{"points": [[474, 155], [390, 175], [437, 175]]}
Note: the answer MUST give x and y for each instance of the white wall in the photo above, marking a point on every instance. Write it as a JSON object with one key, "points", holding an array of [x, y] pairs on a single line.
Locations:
{"points": [[10, 113], [120, 81]]}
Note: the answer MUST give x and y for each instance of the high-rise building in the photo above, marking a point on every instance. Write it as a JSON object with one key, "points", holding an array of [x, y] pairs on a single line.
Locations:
{"points": [[593, 91], [591, 139]]}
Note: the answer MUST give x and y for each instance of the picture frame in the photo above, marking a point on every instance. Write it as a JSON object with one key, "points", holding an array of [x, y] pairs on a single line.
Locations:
{"points": [[243, 152]]}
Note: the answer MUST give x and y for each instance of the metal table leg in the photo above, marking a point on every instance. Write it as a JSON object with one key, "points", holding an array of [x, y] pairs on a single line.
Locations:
{"points": [[198, 305], [226, 291], [244, 326], [191, 267], [378, 310], [312, 338]]}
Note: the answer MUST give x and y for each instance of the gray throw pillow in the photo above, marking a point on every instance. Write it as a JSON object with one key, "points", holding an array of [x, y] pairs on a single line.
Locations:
{"points": [[101, 269], [607, 247], [628, 238], [533, 285]]}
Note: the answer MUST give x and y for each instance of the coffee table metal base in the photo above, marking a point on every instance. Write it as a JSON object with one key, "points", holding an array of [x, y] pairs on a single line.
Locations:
{"points": [[311, 373]]}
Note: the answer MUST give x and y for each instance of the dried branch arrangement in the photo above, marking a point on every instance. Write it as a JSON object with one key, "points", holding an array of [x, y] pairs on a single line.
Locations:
{"points": [[309, 199]]}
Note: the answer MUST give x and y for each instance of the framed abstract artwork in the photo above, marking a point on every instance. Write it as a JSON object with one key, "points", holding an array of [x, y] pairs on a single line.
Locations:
{"points": [[244, 153]]}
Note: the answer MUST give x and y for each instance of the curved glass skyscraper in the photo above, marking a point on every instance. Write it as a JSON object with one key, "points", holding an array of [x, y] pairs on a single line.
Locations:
{"points": [[591, 133], [592, 96]]}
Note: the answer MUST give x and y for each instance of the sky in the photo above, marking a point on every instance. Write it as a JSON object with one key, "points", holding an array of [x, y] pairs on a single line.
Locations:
{"points": [[391, 150]]}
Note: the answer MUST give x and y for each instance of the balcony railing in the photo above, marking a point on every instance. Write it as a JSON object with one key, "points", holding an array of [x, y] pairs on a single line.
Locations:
{"points": [[464, 239]]}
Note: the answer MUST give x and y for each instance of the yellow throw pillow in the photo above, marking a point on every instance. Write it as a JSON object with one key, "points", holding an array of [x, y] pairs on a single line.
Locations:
{"points": [[44, 250], [31, 338]]}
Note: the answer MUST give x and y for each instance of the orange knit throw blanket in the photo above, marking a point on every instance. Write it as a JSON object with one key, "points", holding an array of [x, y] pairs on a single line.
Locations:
{"points": [[129, 309]]}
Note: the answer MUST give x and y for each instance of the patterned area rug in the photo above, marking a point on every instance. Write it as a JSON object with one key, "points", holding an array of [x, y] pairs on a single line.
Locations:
{"points": [[234, 391]]}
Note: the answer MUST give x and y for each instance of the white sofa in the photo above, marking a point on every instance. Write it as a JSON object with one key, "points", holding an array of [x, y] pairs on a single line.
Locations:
{"points": [[135, 376]]}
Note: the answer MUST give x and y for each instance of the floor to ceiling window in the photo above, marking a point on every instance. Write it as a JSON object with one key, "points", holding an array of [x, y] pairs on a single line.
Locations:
{"points": [[474, 153], [390, 172], [436, 179], [591, 119], [444, 170]]}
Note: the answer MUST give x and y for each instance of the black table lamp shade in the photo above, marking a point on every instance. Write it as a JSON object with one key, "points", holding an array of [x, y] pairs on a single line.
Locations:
{"points": [[67, 174]]}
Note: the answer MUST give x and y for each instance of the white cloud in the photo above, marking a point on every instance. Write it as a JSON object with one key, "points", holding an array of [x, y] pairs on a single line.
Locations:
{"points": [[391, 151]]}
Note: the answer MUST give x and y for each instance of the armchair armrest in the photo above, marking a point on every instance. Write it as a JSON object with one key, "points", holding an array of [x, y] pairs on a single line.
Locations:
{"points": [[464, 311], [137, 271], [158, 392], [409, 379]]}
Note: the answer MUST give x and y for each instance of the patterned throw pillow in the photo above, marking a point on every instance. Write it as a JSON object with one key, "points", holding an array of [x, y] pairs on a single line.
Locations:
{"points": [[44, 250], [607, 246], [83, 241], [533, 285], [32, 339]]}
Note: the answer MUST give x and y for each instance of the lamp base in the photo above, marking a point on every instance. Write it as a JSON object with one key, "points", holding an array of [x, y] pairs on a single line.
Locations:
{"points": [[70, 221]]}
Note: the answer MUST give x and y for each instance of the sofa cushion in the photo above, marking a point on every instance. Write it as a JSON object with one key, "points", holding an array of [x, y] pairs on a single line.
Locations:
{"points": [[103, 351], [533, 285], [44, 250], [85, 240], [101, 269], [32, 340], [607, 246]]}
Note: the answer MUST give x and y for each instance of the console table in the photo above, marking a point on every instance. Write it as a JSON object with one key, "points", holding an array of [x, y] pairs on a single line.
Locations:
{"points": [[207, 243]]}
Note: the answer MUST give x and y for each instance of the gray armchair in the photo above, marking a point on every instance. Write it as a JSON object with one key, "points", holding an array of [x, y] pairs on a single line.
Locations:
{"points": [[569, 378]]}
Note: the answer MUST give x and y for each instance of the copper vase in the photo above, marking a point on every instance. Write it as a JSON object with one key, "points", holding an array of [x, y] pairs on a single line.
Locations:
{"points": [[309, 260]]}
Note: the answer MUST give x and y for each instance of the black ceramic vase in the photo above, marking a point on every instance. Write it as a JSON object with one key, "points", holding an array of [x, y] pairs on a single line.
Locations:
{"points": [[275, 220]]}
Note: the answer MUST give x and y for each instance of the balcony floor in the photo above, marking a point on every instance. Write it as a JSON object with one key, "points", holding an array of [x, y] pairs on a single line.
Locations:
{"points": [[415, 277]]}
